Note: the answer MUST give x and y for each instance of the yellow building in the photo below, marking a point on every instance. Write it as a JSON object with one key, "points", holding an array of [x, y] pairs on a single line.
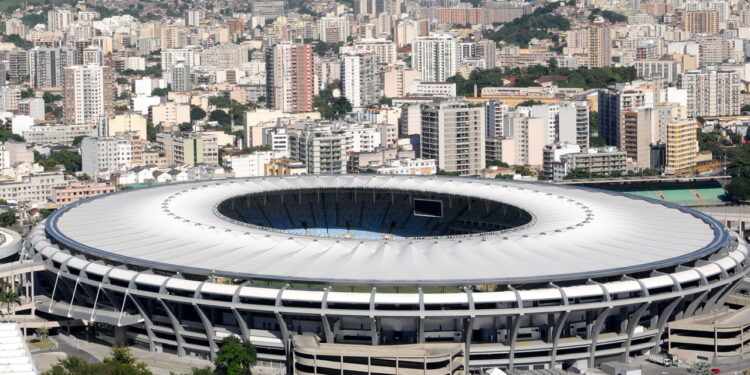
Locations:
{"points": [[682, 146]]}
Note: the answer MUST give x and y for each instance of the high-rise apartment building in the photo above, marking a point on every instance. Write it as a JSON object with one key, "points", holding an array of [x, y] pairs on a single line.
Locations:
{"points": [[549, 114], [289, 75], [322, 149], [180, 75], [398, 81], [599, 45], [636, 135], [436, 57], [333, 29], [573, 123], [384, 49], [188, 149], [113, 153], [360, 79], [453, 133], [18, 63], [59, 19], [173, 36], [701, 21], [408, 30], [613, 104], [10, 96], [524, 140], [711, 92], [46, 65], [193, 17], [88, 94], [682, 146]]}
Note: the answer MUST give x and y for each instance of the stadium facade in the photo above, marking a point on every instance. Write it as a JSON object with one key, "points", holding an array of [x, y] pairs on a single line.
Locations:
{"points": [[521, 274]]}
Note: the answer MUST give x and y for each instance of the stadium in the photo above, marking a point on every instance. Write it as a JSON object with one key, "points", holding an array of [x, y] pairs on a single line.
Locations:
{"points": [[519, 275]]}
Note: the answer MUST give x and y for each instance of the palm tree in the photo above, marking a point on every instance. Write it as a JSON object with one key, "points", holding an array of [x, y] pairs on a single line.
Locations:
{"points": [[42, 332], [9, 298]]}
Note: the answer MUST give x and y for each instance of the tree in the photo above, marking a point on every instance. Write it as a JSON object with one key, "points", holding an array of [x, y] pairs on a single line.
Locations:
{"points": [[28, 93], [9, 298], [150, 131], [739, 188], [7, 218], [18, 41], [160, 92], [121, 362], [197, 113], [529, 103], [235, 357], [497, 163], [536, 25], [77, 140], [221, 117], [220, 101], [186, 127], [42, 332], [50, 97]]}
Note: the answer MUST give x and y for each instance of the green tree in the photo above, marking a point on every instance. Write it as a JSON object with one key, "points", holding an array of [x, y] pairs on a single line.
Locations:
{"points": [[150, 131], [28, 93], [497, 163], [235, 357], [197, 113], [443, 172], [42, 332], [44, 212], [7, 218], [160, 92], [529, 103], [322, 48], [121, 362], [77, 140], [536, 25], [186, 127], [50, 97], [18, 41], [221, 117], [220, 101], [9, 298]]}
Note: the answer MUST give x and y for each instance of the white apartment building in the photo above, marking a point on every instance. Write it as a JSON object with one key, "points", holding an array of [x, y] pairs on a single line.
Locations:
{"points": [[12, 153], [88, 94], [360, 79], [453, 133], [320, 148], [249, 165], [59, 19], [333, 29], [112, 153], [436, 57], [524, 140], [57, 134], [384, 49], [35, 187], [711, 92], [440, 89], [549, 114], [9, 98], [407, 166], [360, 138], [573, 123]]}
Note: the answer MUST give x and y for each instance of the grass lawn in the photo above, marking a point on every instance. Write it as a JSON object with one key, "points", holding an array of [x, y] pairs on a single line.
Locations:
{"points": [[41, 344]]}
